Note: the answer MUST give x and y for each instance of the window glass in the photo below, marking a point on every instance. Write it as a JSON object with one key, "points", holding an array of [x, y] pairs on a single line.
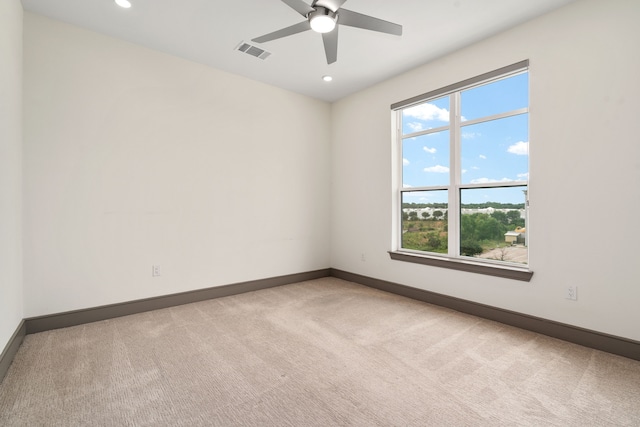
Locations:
{"points": [[493, 224], [425, 160], [428, 115], [497, 97], [425, 221], [495, 151]]}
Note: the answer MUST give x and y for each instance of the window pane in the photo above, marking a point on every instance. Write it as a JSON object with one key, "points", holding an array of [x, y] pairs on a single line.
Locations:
{"points": [[425, 221], [498, 97], [428, 115], [493, 224], [425, 160], [495, 151]]}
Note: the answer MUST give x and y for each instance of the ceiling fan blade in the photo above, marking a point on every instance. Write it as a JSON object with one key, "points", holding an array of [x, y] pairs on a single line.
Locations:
{"points": [[355, 19], [294, 29], [332, 5], [299, 6], [330, 41]]}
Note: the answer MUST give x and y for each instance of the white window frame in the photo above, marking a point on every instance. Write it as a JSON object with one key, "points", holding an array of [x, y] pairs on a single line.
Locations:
{"points": [[453, 259]]}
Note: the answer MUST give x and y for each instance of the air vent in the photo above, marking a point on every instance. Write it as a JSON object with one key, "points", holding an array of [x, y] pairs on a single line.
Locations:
{"points": [[253, 50]]}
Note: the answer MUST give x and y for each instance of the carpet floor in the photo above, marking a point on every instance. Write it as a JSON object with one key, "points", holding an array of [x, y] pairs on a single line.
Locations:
{"points": [[320, 353]]}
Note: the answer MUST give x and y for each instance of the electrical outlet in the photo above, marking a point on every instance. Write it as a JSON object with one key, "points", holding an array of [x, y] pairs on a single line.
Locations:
{"points": [[155, 270], [572, 293]]}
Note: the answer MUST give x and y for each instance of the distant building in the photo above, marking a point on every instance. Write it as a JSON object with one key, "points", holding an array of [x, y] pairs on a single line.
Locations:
{"points": [[511, 237], [515, 236]]}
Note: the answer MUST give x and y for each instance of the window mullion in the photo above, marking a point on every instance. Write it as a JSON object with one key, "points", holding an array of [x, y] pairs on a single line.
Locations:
{"points": [[498, 116], [399, 177], [454, 176]]}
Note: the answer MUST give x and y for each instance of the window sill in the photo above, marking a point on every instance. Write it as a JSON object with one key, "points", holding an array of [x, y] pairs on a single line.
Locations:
{"points": [[507, 272]]}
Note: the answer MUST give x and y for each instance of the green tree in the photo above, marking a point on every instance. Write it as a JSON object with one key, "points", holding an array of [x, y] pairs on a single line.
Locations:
{"points": [[433, 240], [489, 228], [426, 215], [437, 214], [470, 248], [501, 217], [478, 227], [514, 217], [468, 226]]}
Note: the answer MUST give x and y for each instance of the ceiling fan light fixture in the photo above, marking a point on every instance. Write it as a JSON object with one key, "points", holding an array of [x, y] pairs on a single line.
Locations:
{"points": [[324, 16], [322, 20], [124, 3]]}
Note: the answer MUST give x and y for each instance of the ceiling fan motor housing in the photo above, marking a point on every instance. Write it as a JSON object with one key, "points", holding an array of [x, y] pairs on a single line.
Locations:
{"points": [[322, 20], [323, 16]]}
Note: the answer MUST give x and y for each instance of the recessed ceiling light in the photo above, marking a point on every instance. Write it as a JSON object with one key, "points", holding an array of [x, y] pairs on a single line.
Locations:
{"points": [[124, 3], [327, 78]]}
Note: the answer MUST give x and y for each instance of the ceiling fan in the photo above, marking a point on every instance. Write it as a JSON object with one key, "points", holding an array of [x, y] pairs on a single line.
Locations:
{"points": [[324, 16]]}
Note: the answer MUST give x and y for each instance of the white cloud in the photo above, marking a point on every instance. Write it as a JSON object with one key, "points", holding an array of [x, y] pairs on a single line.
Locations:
{"points": [[417, 200], [489, 180], [481, 181], [437, 169], [475, 168], [427, 112], [464, 171], [482, 156], [520, 148], [429, 150], [524, 175], [415, 126], [405, 162], [470, 135]]}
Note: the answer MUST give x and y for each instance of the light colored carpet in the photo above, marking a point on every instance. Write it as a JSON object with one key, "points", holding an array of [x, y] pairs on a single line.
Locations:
{"points": [[318, 353]]}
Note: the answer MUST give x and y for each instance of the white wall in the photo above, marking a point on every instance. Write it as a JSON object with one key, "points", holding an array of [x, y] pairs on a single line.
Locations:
{"points": [[133, 158], [585, 152], [10, 168]]}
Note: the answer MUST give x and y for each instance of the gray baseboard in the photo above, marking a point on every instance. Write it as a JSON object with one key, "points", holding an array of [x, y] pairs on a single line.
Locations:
{"points": [[592, 339], [11, 349], [79, 317]]}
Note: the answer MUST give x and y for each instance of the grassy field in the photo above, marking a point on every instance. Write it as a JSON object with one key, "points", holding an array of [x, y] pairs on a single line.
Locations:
{"points": [[428, 236], [431, 236]]}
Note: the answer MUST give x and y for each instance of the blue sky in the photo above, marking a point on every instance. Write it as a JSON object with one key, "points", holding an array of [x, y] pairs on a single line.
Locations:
{"points": [[492, 151]]}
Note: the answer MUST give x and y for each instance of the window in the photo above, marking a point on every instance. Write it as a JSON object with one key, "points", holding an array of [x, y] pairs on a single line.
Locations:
{"points": [[463, 166]]}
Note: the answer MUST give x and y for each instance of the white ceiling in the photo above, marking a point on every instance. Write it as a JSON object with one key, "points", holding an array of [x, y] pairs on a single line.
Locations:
{"points": [[208, 31]]}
